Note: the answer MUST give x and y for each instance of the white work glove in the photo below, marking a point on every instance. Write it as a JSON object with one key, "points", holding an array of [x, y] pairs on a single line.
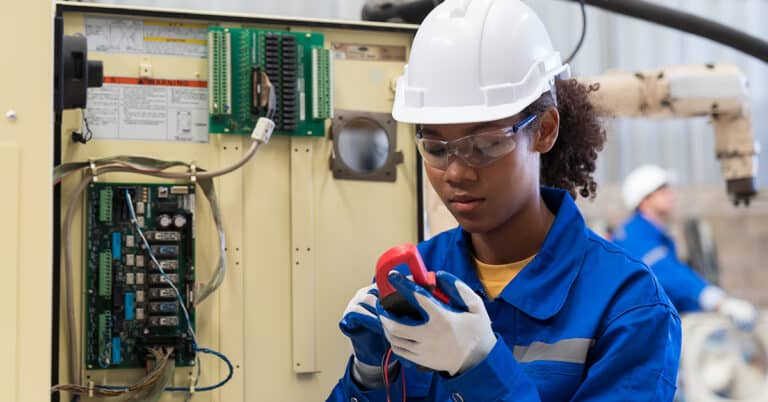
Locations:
{"points": [[451, 338], [741, 312]]}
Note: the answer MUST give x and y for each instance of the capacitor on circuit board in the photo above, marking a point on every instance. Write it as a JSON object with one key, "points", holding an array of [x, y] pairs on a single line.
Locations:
{"points": [[164, 220], [179, 221]]}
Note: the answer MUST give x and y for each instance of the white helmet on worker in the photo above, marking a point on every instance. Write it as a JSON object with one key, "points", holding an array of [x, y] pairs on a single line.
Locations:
{"points": [[642, 182], [476, 61]]}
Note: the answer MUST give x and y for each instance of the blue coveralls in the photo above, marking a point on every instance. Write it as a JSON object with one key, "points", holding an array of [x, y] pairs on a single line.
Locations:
{"points": [[583, 321], [648, 242]]}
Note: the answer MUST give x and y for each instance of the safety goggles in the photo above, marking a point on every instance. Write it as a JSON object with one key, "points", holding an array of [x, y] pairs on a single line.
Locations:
{"points": [[475, 150]]}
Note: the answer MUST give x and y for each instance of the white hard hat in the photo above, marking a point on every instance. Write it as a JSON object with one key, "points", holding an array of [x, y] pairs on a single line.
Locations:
{"points": [[476, 61], [642, 182]]}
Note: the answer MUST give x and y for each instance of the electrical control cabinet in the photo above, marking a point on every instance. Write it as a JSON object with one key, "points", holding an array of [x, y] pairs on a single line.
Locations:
{"points": [[129, 305], [298, 241]]}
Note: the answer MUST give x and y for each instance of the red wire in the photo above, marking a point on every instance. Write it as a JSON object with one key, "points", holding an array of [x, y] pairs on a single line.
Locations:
{"points": [[385, 367], [402, 375]]}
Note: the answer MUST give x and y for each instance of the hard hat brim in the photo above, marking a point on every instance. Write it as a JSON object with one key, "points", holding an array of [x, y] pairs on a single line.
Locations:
{"points": [[458, 115], [478, 113]]}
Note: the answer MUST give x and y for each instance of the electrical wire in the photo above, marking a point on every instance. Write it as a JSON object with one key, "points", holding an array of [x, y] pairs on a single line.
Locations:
{"points": [[72, 326], [221, 356], [230, 373], [141, 165], [385, 368], [583, 32], [197, 380], [85, 134], [155, 391], [161, 358], [271, 105]]}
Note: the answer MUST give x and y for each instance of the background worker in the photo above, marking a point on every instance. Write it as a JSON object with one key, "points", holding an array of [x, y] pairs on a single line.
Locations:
{"points": [[648, 193]]}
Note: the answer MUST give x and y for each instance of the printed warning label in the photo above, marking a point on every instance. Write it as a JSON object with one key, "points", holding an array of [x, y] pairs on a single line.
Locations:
{"points": [[149, 109], [111, 35]]}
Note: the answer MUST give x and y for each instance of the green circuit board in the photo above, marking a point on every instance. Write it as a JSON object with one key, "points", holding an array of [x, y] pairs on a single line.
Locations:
{"points": [[129, 306], [298, 68]]}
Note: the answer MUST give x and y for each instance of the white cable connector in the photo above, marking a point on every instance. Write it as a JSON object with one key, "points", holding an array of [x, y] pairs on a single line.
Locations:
{"points": [[263, 130], [192, 380]]}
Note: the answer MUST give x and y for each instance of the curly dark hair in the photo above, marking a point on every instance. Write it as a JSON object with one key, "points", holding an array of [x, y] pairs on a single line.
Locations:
{"points": [[569, 165]]}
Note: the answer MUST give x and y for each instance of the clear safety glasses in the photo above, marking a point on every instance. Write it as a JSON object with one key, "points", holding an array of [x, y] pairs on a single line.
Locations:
{"points": [[476, 150]]}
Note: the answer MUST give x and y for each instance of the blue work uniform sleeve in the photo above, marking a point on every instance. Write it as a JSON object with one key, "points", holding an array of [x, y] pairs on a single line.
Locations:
{"points": [[681, 283], [501, 377], [636, 358]]}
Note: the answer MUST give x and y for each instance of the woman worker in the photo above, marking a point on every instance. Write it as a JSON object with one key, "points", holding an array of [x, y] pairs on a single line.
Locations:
{"points": [[542, 309]]}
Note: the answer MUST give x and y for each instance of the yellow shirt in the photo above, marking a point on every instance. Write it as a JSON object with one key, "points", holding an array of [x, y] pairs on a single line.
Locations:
{"points": [[496, 277]]}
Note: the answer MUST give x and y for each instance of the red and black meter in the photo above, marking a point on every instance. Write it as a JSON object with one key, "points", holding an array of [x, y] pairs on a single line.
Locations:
{"points": [[389, 298]]}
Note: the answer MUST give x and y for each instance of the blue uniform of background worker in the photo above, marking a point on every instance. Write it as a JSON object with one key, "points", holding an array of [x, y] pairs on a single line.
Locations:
{"points": [[647, 191], [541, 309]]}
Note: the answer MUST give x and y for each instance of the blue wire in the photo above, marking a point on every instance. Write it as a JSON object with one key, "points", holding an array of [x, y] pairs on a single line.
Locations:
{"points": [[230, 373], [112, 387]]}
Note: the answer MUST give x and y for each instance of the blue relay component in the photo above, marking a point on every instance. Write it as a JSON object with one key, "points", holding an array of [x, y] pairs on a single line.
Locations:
{"points": [[130, 308], [116, 358], [164, 307], [165, 251], [117, 242]]}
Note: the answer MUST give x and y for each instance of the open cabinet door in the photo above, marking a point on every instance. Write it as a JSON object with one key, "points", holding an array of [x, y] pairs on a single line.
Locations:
{"points": [[301, 237], [26, 150]]}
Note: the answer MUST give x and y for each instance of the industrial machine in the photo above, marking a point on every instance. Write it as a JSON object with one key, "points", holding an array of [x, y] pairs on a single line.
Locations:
{"points": [[717, 91], [720, 363]]}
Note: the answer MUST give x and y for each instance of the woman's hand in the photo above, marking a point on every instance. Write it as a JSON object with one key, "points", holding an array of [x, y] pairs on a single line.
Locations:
{"points": [[451, 338]]}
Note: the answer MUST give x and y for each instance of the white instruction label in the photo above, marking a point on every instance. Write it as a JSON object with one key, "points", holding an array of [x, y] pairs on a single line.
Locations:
{"points": [[148, 109], [112, 35]]}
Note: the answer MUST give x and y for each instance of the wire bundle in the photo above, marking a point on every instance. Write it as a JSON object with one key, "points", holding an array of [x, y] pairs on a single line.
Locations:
{"points": [[163, 362]]}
